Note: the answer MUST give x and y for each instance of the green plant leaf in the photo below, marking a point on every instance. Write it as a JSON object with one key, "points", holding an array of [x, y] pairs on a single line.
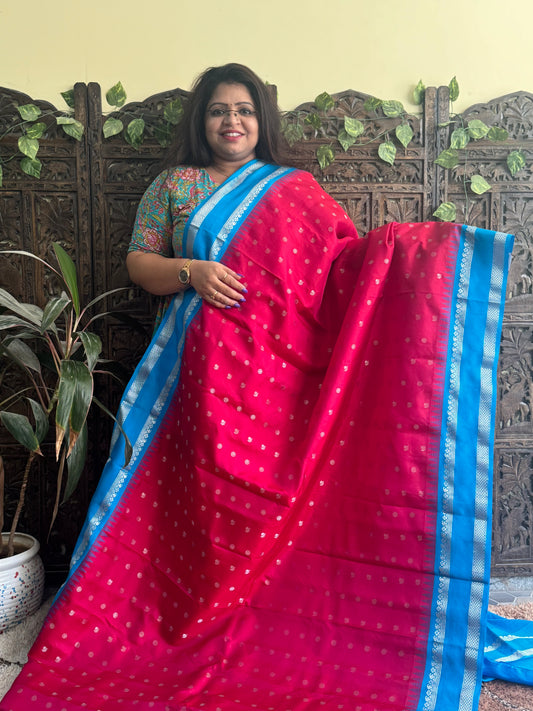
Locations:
{"points": [[325, 156], [112, 127], [29, 112], [76, 462], [20, 428], [71, 127], [459, 138], [31, 167], [116, 96], [448, 158], [446, 212], [35, 130], [477, 129], [28, 312], [392, 109], [40, 416], [163, 134], [173, 111], [68, 97], [353, 127], [404, 133], [68, 271], [387, 152], [418, 93], [372, 103], [23, 355], [134, 132], [73, 401], [52, 310], [516, 160], [28, 146], [453, 86], [314, 120], [497, 134], [293, 133], [345, 140], [93, 347], [324, 102], [479, 185]]}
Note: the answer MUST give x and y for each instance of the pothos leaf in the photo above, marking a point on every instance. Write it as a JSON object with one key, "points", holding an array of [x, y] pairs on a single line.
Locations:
{"points": [[459, 138], [392, 109], [345, 139], [68, 96], [516, 160], [134, 132], [372, 103], [453, 86], [448, 158], [325, 156], [446, 212], [112, 127], [116, 96], [324, 102], [353, 127], [418, 93], [497, 134], [477, 129], [293, 133], [404, 133], [387, 152], [479, 185], [71, 126], [173, 111], [28, 146], [314, 120], [31, 166], [29, 112]]}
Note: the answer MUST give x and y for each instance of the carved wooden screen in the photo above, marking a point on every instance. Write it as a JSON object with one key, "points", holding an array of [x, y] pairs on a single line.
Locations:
{"points": [[87, 198], [33, 214]]}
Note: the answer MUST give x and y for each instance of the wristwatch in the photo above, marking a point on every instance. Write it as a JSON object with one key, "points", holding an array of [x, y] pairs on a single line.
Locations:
{"points": [[184, 274]]}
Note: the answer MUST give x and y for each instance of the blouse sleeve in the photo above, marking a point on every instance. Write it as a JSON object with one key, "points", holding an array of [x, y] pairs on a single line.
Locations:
{"points": [[152, 231]]}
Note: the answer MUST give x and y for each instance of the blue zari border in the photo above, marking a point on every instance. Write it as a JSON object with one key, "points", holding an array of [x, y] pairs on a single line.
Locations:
{"points": [[208, 234], [463, 536]]}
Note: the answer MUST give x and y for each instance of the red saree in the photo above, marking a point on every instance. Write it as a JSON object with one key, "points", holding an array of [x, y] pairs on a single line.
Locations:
{"points": [[305, 522]]}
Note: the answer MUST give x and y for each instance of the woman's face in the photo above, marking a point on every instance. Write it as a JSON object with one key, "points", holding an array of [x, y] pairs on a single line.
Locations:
{"points": [[231, 125]]}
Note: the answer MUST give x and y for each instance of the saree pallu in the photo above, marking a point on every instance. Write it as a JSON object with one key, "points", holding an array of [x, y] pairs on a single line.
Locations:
{"points": [[305, 520]]}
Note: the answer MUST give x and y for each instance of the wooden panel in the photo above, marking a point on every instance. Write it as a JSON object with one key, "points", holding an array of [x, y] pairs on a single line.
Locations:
{"points": [[87, 199]]}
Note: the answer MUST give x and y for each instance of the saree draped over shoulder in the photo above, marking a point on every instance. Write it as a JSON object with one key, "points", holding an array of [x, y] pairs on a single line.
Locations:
{"points": [[305, 520]]}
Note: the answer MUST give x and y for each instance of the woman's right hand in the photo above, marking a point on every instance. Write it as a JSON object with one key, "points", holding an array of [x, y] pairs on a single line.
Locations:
{"points": [[217, 284], [214, 282]]}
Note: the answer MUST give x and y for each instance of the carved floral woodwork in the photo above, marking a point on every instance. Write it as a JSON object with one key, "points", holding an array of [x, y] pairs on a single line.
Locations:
{"points": [[87, 198]]}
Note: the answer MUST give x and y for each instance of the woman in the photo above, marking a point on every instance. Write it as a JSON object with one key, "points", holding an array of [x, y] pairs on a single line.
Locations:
{"points": [[311, 470], [230, 119]]}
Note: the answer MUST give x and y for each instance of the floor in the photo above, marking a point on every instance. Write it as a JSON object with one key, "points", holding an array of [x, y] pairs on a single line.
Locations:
{"points": [[510, 590]]}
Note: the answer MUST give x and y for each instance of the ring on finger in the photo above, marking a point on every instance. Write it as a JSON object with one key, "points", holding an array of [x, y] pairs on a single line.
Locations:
{"points": [[214, 295], [224, 277]]}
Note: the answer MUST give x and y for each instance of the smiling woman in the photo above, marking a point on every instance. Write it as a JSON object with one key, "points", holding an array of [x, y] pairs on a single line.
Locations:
{"points": [[231, 129]]}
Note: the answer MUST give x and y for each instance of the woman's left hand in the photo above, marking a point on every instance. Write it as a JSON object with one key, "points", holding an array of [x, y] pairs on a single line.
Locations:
{"points": [[217, 284]]}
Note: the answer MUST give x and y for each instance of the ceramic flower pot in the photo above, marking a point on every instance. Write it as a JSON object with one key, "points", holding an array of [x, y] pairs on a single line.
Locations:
{"points": [[21, 580]]}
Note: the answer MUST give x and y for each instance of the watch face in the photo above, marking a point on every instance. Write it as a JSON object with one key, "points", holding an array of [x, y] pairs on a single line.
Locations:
{"points": [[183, 276]]}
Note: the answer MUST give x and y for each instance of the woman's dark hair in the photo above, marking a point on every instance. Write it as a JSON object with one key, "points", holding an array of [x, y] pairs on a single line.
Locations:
{"points": [[191, 147]]}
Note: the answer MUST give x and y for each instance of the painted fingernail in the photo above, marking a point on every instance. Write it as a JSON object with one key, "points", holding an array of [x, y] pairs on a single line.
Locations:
{"points": [[244, 291]]}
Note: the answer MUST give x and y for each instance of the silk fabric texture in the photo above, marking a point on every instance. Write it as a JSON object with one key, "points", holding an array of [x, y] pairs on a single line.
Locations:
{"points": [[305, 521]]}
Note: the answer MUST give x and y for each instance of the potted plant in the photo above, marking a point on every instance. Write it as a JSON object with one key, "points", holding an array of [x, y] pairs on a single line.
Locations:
{"points": [[57, 355]]}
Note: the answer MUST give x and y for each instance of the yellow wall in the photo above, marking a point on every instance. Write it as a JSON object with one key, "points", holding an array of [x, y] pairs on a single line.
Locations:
{"points": [[303, 46]]}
